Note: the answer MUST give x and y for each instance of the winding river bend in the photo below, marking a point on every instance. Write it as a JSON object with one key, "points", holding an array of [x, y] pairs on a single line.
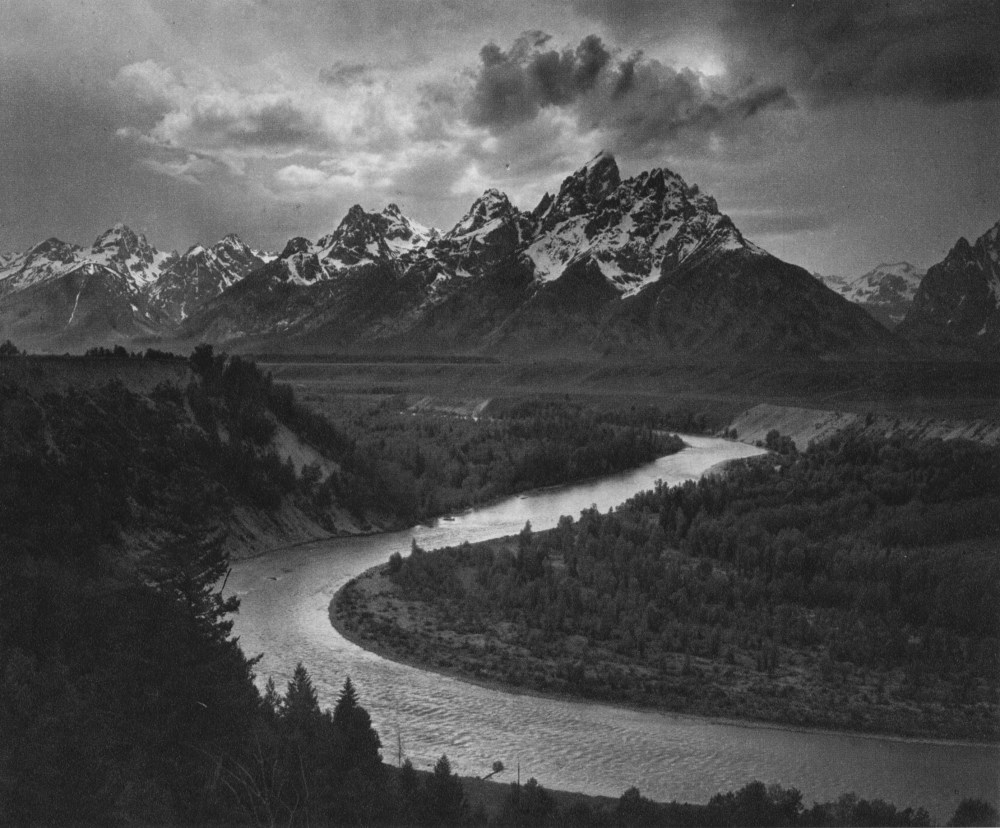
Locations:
{"points": [[571, 745]]}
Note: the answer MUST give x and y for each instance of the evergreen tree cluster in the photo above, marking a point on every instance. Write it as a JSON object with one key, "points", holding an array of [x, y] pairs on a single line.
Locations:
{"points": [[123, 697], [428, 464], [853, 585]]}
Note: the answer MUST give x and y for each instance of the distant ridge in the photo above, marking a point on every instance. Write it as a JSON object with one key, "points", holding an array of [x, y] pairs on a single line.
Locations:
{"points": [[603, 266], [57, 296]]}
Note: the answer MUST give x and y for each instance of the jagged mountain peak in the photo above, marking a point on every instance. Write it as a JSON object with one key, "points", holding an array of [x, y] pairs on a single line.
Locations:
{"points": [[958, 301], [961, 247], [491, 202], [491, 208], [231, 240], [582, 191], [633, 231], [297, 244], [120, 238], [600, 172], [128, 253], [360, 234]]}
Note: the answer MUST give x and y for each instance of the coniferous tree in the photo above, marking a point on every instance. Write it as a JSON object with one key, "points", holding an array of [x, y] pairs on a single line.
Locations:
{"points": [[357, 742], [300, 707], [445, 800]]}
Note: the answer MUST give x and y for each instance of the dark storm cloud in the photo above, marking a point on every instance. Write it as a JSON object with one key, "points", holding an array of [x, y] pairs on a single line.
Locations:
{"points": [[638, 101], [512, 86], [834, 50], [342, 73], [278, 124]]}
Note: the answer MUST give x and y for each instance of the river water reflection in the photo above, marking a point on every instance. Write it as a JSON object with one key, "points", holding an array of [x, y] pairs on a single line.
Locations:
{"points": [[572, 745]]}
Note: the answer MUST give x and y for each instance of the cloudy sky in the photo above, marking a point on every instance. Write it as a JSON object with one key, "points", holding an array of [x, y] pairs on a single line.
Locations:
{"points": [[837, 134]]}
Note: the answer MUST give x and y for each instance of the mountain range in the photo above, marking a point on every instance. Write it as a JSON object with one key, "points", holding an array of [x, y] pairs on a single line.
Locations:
{"points": [[643, 265], [59, 296]]}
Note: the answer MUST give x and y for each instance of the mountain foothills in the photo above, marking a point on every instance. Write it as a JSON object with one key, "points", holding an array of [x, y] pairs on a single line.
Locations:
{"points": [[645, 265]]}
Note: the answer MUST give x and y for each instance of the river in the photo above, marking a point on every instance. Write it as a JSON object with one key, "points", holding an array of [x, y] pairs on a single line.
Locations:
{"points": [[580, 746]]}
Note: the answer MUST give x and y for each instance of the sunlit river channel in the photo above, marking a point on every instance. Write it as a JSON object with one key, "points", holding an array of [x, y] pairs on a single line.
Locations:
{"points": [[596, 748]]}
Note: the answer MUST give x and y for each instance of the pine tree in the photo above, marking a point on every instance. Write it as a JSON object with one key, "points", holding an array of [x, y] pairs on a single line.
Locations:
{"points": [[271, 700], [300, 707], [445, 799], [347, 703], [188, 570], [357, 742]]}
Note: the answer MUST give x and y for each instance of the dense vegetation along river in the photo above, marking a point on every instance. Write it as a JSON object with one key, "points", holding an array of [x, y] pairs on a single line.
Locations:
{"points": [[572, 745]]}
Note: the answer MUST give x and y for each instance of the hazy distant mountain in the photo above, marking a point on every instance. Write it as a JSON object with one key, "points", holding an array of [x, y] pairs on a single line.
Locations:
{"points": [[647, 262], [958, 301], [833, 281], [886, 292]]}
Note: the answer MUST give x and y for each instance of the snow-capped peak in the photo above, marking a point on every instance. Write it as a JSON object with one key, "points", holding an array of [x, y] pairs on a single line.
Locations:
{"points": [[633, 230], [128, 253], [404, 233], [486, 213], [584, 189]]}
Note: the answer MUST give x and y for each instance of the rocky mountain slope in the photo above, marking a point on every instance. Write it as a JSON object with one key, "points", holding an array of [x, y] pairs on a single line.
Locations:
{"points": [[645, 263], [958, 302], [58, 296]]}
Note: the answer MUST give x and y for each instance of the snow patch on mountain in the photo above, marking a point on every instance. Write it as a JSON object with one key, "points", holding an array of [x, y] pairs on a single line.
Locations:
{"points": [[632, 229]]}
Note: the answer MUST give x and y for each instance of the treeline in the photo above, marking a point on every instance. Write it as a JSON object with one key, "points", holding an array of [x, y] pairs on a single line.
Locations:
{"points": [[647, 416], [853, 585], [426, 465]]}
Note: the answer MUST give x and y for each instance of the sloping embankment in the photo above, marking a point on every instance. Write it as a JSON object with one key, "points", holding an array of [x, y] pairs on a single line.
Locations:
{"points": [[806, 424]]}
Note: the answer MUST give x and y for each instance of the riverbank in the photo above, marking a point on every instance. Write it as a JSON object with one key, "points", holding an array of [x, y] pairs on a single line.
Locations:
{"points": [[371, 612], [492, 802]]}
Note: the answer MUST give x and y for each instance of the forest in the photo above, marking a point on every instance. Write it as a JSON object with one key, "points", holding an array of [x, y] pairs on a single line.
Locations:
{"points": [[850, 586], [125, 699], [431, 464]]}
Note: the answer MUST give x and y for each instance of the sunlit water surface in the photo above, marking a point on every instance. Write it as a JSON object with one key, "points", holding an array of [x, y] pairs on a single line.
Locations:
{"points": [[596, 748]]}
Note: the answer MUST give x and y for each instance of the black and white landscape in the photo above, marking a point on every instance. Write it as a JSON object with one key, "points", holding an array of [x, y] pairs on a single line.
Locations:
{"points": [[499, 413]]}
